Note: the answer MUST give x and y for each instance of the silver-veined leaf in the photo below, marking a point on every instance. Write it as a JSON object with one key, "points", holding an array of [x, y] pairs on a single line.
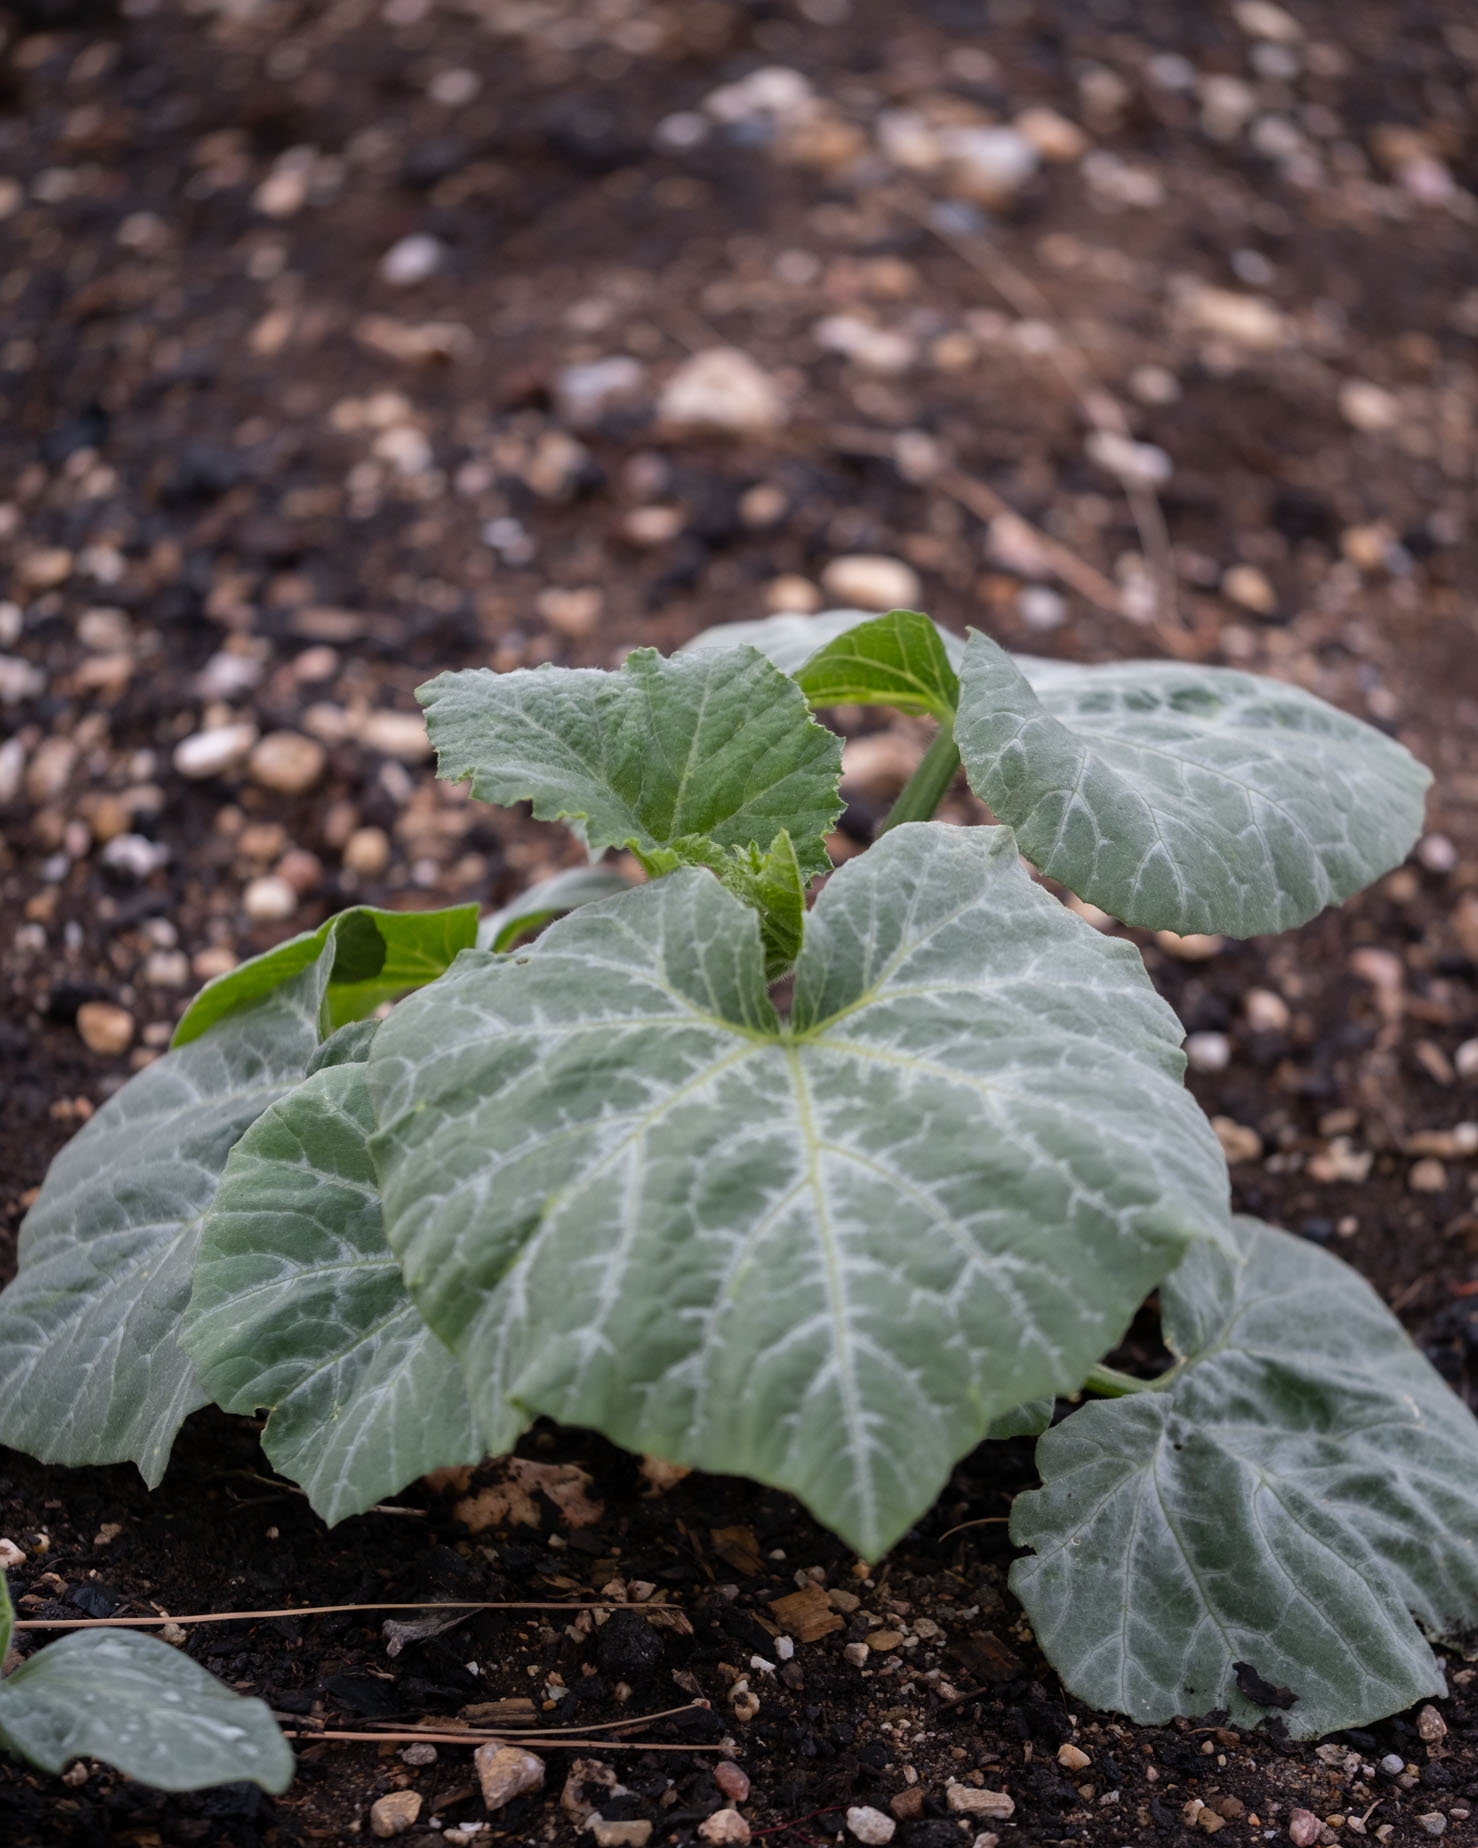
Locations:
{"points": [[140, 1706], [825, 1253], [1302, 1497], [716, 748], [91, 1369], [1182, 797], [299, 1307]]}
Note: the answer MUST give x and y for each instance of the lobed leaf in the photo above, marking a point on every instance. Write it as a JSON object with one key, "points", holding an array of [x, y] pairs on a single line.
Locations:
{"points": [[848, 1243], [380, 955], [718, 747], [91, 1370], [1302, 1496], [140, 1706], [299, 1307], [1185, 798]]}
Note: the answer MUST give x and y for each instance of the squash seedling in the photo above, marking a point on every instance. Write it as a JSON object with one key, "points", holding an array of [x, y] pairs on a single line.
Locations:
{"points": [[830, 1242]]}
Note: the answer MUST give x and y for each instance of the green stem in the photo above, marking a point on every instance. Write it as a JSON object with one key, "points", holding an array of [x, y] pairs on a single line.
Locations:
{"points": [[929, 784], [1110, 1383]]}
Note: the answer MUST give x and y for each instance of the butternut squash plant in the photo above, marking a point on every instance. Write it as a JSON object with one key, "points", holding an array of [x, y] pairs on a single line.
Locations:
{"points": [[822, 1193]]}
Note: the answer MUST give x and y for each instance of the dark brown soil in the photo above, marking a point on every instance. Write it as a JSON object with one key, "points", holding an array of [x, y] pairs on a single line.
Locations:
{"points": [[213, 512]]}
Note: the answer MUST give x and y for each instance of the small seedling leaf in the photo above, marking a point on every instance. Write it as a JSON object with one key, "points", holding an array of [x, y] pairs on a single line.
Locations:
{"points": [[713, 746], [1185, 798], [380, 955], [849, 657], [613, 1131], [140, 1706], [299, 1307], [1301, 1497]]}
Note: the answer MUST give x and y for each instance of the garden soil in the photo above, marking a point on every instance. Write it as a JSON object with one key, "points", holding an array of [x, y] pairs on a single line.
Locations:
{"points": [[343, 342]]}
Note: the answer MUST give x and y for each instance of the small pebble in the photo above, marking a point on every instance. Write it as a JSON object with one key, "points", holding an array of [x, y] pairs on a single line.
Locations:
{"points": [[988, 166], [1250, 588], [723, 1827], [412, 260], [215, 751], [1437, 853], [966, 1800], [395, 1813], [1465, 1059], [791, 594], [635, 1833], [856, 1654], [105, 1028], [421, 1753], [1427, 1176], [870, 1825], [1430, 1725], [269, 900], [1238, 1141], [11, 1555], [1304, 1828], [869, 581], [1434, 1822], [1368, 407], [1208, 1052], [286, 762], [722, 389], [1266, 1012], [506, 1772], [583, 394], [1073, 1758], [732, 1780], [367, 852], [395, 734], [1393, 1764]]}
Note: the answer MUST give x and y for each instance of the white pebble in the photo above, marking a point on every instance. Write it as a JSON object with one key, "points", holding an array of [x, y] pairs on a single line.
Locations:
{"points": [[412, 260], [1041, 609], [269, 900], [1208, 1052], [870, 1825], [213, 752], [869, 581], [722, 389]]}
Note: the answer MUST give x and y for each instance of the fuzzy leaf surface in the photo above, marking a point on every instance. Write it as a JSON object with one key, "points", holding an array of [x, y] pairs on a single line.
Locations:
{"points": [[716, 747], [1302, 1497], [1182, 797], [91, 1369], [380, 954], [824, 1254], [140, 1706], [299, 1307]]}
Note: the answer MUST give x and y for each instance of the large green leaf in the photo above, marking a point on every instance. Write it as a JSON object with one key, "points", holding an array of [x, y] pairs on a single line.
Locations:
{"points": [[139, 1705], [849, 657], [300, 1307], [91, 1370], [1185, 798], [828, 1253], [1301, 1497], [380, 955], [701, 748]]}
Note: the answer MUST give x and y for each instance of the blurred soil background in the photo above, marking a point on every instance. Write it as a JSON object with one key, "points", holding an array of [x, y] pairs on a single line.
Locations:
{"points": [[347, 341]]}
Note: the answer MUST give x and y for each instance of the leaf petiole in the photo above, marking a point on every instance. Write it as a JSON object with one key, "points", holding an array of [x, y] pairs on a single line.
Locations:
{"points": [[1110, 1383], [922, 794]]}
